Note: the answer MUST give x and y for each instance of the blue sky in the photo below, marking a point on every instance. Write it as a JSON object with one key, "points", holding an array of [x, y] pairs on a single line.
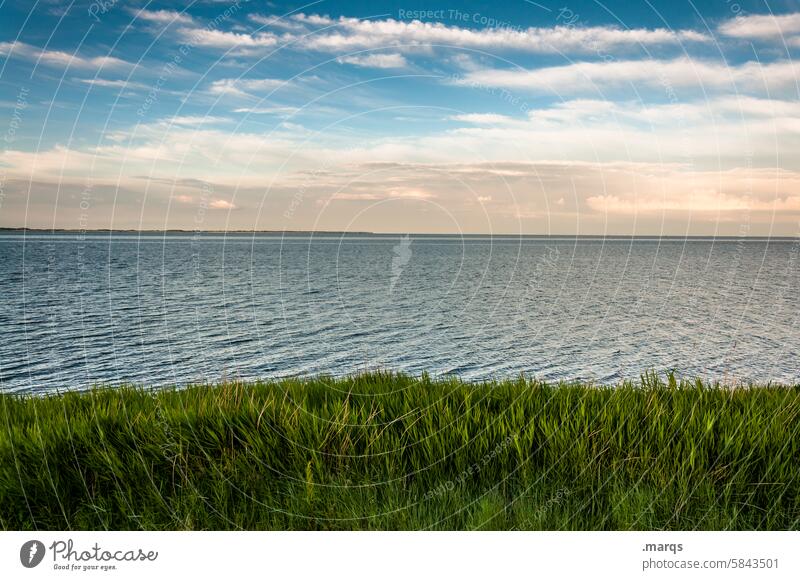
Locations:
{"points": [[476, 117]]}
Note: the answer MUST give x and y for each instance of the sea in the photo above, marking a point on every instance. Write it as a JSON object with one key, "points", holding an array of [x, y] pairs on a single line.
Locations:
{"points": [[156, 309]]}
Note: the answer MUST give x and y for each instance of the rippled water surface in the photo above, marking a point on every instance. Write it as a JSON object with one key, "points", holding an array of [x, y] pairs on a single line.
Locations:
{"points": [[156, 309]]}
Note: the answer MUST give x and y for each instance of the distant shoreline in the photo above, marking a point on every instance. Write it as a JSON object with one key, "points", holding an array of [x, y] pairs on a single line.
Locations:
{"points": [[45, 231]]}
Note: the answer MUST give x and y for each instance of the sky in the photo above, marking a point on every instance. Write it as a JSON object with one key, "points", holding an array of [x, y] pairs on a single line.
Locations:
{"points": [[651, 117]]}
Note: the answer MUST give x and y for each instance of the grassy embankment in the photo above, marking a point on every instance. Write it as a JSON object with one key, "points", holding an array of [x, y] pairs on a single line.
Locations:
{"points": [[383, 451]]}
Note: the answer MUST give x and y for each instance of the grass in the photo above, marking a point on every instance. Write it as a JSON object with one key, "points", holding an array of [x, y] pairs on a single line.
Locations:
{"points": [[385, 451]]}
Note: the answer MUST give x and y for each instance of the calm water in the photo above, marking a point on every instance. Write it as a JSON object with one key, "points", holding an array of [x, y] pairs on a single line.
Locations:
{"points": [[159, 310]]}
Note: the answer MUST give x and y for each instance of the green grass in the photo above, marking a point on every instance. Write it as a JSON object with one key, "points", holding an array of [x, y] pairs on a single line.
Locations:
{"points": [[385, 451]]}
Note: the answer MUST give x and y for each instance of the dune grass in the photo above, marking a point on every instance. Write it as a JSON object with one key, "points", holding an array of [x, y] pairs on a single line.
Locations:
{"points": [[385, 451]]}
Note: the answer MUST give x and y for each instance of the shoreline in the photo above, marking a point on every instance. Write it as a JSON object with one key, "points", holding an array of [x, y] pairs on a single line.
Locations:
{"points": [[649, 379], [418, 235]]}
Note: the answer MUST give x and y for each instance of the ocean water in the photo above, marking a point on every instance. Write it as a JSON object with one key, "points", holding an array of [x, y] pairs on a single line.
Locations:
{"points": [[160, 309]]}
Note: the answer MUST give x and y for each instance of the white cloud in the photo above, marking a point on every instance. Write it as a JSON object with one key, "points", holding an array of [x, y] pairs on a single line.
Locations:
{"points": [[755, 107], [62, 59], [736, 110], [723, 132], [277, 22], [213, 38], [345, 34], [221, 204], [583, 77], [482, 118], [163, 16], [244, 87], [762, 26], [354, 33], [379, 194], [410, 193], [191, 120], [115, 84], [696, 201], [282, 111], [381, 60]]}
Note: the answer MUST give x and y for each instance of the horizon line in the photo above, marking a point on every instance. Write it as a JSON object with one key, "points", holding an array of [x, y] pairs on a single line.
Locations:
{"points": [[387, 234]]}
